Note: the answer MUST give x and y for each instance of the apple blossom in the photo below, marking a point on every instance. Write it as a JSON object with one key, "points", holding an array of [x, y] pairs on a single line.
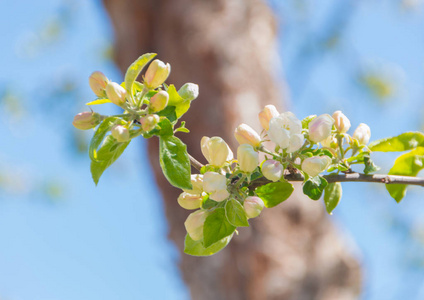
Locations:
{"points": [[216, 185], [194, 224], [120, 133], [247, 135], [341, 122], [86, 120], [159, 101], [98, 82], [156, 74], [253, 206], [266, 115], [272, 170], [315, 165], [116, 93], [362, 133], [320, 128], [285, 130], [216, 150], [189, 201]]}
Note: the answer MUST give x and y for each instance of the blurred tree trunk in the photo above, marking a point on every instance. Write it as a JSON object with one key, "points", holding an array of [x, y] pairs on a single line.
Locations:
{"points": [[227, 47]]}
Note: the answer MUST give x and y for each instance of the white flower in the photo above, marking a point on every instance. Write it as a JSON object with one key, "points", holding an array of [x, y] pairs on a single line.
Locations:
{"points": [[320, 128], [362, 134], [286, 131], [266, 115], [194, 224], [216, 150], [216, 185], [253, 206], [247, 158], [189, 201], [341, 122], [245, 134], [315, 165], [197, 183], [272, 170]]}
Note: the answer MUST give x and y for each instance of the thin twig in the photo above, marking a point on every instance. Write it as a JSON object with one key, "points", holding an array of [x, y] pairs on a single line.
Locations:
{"points": [[350, 177]]}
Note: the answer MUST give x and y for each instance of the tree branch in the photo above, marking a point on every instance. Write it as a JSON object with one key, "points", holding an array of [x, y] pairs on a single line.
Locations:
{"points": [[349, 177]]}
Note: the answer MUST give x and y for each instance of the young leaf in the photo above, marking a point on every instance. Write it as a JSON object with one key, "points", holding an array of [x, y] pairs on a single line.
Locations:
{"points": [[332, 196], [166, 128], [274, 193], [196, 248], [110, 151], [370, 167], [134, 70], [314, 187], [99, 101], [216, 227], [174, 161], [402, 142], [408, 164], [181, 105], [235, 213], [169, 113], [100, 134]]}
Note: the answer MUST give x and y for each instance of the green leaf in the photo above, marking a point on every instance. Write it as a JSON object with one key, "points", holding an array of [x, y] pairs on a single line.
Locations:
{"points": [[403, 142], [174, 161], [134, 70], [169, 113], [332, 196], [216, 227], [196, 248], [181, 105], [307, 120], [235, 213], [100, 134], [408, 164], [109, 152], [370, 167], [99, 101], [166, 128], [274, 193], [314, 187], [208, 202]]}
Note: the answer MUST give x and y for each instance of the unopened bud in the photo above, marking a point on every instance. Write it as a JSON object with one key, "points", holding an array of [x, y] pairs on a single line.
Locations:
{"points": [[320, 128], [216, 150], [98, 82], [272, 170], [315, 165], [216, 185], [86, 120], [253, 206], [189, 201], [247, 135], [120, 133], [267, 114], [194, 224], [362, 134], [247, 158], [116, 93], [196, 183], [189, 91], [156, 74], [341, 122], [159, 101], [149, 122]]}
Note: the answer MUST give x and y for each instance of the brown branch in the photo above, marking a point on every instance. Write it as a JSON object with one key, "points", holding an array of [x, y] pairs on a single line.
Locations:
{"points": [[350, 177]]}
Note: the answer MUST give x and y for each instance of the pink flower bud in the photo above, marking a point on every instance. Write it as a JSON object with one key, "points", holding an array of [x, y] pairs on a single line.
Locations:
{"points": [[216, 185], [341, 122], [189, 91], [272, 170], [197, 184], [320, 128], [189, 201], [116, 93], [149, 122], [315, 165], [86, 120], [98, 83], [362, 134], [159, 101], [253, 206], [194, 224], [216, 150], [156, 74], [120, 133], [267, 114], [247, 158], [246, 135]]}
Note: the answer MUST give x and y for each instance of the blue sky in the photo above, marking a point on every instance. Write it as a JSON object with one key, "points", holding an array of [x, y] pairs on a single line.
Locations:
{"points": [[109, 242]]}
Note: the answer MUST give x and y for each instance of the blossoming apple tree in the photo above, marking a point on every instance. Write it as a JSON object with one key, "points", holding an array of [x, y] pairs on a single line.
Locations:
{"points": [[228, 191]]}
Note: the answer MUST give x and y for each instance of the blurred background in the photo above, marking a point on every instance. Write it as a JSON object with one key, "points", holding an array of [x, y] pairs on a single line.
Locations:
{"points": [[63, 238]]}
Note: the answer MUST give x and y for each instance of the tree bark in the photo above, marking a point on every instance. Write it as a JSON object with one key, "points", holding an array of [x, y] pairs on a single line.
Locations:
{"points": [[228, 47]]}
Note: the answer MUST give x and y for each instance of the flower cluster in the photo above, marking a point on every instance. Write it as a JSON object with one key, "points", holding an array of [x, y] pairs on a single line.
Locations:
{"points": [[230, 190]]}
